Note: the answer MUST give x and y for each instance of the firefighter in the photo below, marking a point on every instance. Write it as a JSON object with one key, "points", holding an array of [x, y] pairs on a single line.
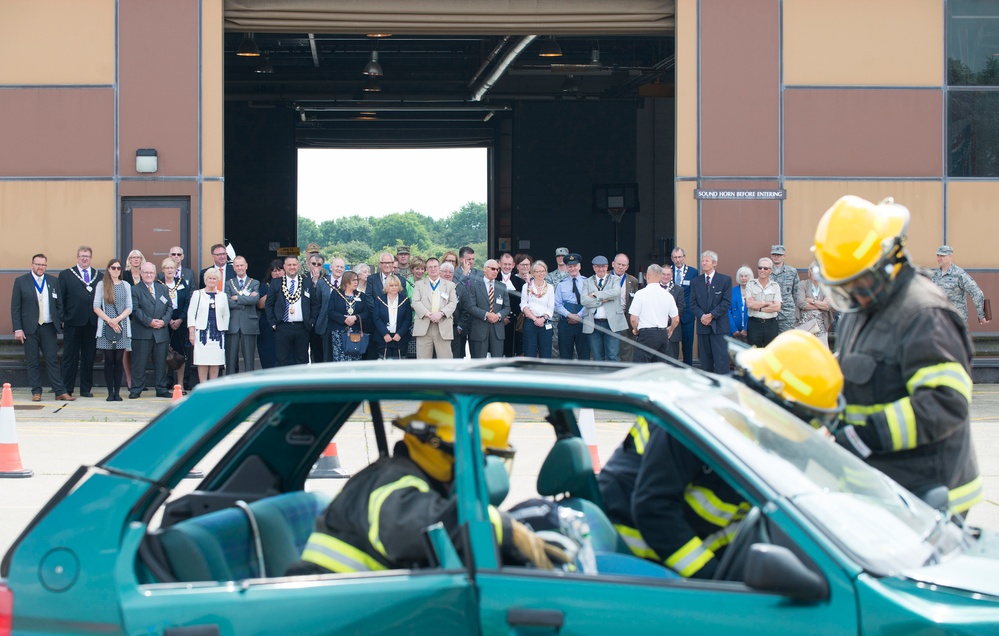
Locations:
{"points": [[377, 520], [904, 350], [673, 509]]}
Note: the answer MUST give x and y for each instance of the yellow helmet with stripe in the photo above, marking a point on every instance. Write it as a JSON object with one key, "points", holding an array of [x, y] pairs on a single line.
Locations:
{"points": [[799, 372]]}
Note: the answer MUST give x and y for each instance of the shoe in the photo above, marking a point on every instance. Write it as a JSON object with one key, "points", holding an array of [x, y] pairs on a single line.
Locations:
{"points": [[110, 398], [36, 397], [164, 395], [66, 397], [117, 398], [86, 394], [133, 396]]}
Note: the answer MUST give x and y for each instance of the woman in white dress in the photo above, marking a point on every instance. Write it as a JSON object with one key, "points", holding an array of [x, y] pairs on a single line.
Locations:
{"points": [[207, 322]]}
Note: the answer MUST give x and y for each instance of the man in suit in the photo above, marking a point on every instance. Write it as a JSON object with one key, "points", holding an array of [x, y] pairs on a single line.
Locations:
{"points": [[322, 330], [605, 317], [376, 281], [292, 306], [572, 326], [711, 295], [79, 322], [464, 274], [460, 320], [226, 272], [185, 274], [627, 286], [35, 307], [488, 303], [434, 302], [151, 311], [244, 325], [683, 274], [678, 297]]}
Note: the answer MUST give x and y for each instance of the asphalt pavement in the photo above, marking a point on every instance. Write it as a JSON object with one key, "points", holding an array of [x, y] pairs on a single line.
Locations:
{"points": [[55, 438]]}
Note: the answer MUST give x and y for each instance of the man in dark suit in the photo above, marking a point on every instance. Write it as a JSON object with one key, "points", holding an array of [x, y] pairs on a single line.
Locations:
{"points": [[35, 307], [221, 257], [376, 281], [292, 307], [683, 274], [79, 322], [244, 324], [627, 286], [710, 297], [151, 311], [185, 274], [322, 330], [488, 303], [679, 298]]}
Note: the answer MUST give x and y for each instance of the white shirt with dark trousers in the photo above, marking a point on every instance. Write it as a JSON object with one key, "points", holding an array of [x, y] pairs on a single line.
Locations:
{"points": [[655, 309]]}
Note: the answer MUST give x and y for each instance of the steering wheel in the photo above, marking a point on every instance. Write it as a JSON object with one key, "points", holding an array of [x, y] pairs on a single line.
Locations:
{"points": [[752, 529]]}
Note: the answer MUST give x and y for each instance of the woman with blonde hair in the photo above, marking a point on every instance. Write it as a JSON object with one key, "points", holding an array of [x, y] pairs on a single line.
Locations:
{"points": [[207, 322], [113, 304]]}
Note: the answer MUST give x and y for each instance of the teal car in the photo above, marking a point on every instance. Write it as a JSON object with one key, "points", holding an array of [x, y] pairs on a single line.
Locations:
{"points": [[830, 546]]}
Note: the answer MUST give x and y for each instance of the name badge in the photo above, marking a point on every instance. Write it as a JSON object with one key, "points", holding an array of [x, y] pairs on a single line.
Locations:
{"points": [[307, 295], [686, 283], [55, 295], [499, 301], [444, 296], [180, 287], [548, 325], [163, 299]]}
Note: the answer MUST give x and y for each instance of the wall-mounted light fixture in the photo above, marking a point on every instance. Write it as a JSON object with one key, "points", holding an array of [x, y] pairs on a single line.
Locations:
{"points": [[146, 160], [248, 47], [373, 68]]}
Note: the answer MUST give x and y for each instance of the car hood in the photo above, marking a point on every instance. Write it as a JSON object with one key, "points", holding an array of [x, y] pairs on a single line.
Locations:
{"points": [[976, 570]]}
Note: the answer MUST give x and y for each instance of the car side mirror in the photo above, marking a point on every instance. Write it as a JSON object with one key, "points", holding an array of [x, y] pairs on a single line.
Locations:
{"points": [[775, 569]]}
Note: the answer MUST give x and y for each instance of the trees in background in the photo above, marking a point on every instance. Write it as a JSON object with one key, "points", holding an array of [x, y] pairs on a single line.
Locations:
{"points": [[360, 239]]}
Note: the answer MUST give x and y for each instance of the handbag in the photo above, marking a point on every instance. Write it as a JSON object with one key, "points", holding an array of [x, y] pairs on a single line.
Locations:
{"points": [[520, 323], [811, 326], [175, 359], [114, 336], [356, 342]]}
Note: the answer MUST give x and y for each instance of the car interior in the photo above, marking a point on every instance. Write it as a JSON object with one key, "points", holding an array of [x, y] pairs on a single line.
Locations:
{"points": [[251, 514]]}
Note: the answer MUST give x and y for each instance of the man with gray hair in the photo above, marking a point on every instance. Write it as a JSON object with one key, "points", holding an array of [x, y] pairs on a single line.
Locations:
{"points": [[958, 285], [654, 316], [710, 298]]}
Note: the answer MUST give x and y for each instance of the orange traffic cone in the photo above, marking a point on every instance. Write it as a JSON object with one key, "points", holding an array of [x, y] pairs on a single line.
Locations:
{"points": [[10, 456], [328, 466], [588, 429], [178, 392]]}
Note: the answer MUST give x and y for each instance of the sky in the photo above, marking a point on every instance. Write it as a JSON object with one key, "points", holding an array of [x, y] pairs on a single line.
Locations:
{"points": [[333, 183]]}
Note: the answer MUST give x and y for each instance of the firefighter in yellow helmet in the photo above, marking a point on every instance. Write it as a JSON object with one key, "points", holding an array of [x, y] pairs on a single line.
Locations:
{"points": [[673, 509], [377, 520], [905, 353]]}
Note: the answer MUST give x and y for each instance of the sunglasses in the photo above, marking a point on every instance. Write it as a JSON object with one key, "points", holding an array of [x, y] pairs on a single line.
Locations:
{"points": [[115, 267], [493, 268], [762, 267], [176, 253]]}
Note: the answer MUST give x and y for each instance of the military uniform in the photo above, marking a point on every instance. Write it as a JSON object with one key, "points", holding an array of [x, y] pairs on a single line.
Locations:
{"points": [[788, 280], [957, 284], [672, 510], [907, 371]]}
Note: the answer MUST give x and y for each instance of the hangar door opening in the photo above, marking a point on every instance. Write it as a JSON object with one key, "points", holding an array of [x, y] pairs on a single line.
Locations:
{"points": [[559, 102]]}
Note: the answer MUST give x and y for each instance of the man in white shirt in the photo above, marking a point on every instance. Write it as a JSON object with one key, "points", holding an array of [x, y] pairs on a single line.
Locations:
{"points": [[434, 303], [627, 286], [35, 305], [763, 303], [603, 296], [654, 316]]}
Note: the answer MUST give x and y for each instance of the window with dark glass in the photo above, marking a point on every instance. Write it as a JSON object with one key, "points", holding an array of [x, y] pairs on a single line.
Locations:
{"points": [[973, 88]]}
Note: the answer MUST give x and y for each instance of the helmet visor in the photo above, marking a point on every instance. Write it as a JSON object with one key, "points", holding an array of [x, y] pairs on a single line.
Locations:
{"points": [[862, 293]]}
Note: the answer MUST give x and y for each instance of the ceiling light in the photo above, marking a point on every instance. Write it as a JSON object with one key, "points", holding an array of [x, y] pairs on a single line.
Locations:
{"points": [[550, 48], [372, 86], [264, 66], [248, 47], [373, 68], [379, 35], [570, 85]]}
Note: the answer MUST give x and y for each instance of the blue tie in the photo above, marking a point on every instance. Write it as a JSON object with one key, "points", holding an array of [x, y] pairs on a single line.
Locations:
{"points": [[287, 303]]}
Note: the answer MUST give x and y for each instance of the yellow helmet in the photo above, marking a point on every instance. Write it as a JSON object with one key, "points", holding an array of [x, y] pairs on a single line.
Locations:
{"points": [[799, 372], [858, 247], [495, 420], [433, 423]]}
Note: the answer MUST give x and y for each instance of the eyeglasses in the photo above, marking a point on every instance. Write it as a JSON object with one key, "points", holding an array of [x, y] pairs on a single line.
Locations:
{"points": [[115, 267], [218, 254], [763, 267], [40, 264], [492, 268], [176, 253]]}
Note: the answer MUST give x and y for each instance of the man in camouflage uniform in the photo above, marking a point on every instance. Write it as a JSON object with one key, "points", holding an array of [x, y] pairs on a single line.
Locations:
{"points": [[555, 276], [787, 277], [957, 284]]}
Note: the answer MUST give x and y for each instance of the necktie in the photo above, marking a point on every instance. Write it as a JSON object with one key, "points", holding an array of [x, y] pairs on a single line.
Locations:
{"points": [[492, 297], [242, 281], [336, 284], [151, 292], [86, 276], [600, 284], [575, 292], [287, 304], [707, 279], [435, 297], [41, 302]]}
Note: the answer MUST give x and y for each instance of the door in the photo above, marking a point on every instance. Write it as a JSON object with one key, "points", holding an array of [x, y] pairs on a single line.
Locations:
{"points": [[153, 225]]}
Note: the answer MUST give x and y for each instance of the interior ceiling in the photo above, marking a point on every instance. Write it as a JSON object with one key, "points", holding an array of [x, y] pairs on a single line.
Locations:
{"points": [[610, 50]]}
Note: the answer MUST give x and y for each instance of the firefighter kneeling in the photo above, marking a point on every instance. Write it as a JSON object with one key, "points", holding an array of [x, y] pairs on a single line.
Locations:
{"points": [[377, 520], [673, 509]]}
